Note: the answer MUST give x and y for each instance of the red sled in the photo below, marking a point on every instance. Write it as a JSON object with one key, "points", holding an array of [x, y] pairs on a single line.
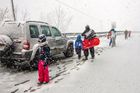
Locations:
{"points": [[90, 43]]}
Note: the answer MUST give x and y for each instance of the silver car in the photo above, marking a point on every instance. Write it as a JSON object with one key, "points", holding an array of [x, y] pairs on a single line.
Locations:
{"points": [[18, 41]]}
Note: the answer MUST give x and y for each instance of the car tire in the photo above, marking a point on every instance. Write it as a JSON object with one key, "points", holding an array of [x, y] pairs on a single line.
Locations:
{"points": [[70, 51]]}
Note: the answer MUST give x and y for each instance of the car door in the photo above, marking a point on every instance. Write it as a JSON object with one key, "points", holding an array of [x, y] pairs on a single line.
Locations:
{"points": [[59, 41]]}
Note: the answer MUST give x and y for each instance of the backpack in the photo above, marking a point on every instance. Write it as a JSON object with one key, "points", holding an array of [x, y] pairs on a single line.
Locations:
{"points": [[42, 55]]}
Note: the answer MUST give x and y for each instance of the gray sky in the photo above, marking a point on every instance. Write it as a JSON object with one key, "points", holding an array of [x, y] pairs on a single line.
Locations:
{"points": [[97, 13]]}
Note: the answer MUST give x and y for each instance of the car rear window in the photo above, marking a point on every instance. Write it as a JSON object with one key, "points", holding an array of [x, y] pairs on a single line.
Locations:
{"points": [[34, 33], [45, 30]]}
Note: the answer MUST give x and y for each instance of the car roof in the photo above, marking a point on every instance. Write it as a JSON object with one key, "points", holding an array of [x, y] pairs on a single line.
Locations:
{"points": [[21, 22]]}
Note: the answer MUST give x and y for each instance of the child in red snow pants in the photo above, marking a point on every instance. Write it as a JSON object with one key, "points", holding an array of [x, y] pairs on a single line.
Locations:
{"points": [[43, 73], [44, 55]]}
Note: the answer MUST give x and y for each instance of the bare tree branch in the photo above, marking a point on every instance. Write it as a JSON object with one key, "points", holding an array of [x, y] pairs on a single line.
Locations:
{"points": [[58, 18], [25, 15], [4, 13]]}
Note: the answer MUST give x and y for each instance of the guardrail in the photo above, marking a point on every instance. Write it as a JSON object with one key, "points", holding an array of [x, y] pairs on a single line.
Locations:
{"points": [[99, 34]]}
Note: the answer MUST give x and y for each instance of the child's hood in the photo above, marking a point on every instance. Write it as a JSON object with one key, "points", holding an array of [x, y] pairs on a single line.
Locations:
{"points": [[79, 38]]}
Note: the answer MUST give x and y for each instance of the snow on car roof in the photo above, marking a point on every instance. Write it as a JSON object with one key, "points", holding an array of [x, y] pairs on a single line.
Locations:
{"points": [[20, 22]]}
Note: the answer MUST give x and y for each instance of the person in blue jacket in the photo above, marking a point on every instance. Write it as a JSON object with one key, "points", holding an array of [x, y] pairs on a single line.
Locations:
{"points": [[78, 46]]}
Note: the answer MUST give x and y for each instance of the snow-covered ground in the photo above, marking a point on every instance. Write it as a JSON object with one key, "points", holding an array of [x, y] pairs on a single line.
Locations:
{"points": [[114, 70]]}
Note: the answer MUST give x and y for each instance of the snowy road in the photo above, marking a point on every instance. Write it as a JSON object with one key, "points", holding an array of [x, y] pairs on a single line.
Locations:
{"points": [[12, 81], [116, 70]]}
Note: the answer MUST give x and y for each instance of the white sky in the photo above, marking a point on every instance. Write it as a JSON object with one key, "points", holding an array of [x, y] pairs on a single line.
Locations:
{"points": [[97, 13]]}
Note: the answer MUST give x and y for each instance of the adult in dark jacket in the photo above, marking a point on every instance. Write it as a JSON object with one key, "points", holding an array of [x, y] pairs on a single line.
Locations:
{"points": [[89, 34], [126, 34]]}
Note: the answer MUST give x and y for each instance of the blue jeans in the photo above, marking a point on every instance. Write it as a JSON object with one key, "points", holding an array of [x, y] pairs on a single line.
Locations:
{"points": [[110, 42]]}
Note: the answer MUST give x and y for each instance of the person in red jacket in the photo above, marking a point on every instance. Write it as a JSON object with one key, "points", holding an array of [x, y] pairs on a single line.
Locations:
{"points": [[44, 58], [88, 34]]}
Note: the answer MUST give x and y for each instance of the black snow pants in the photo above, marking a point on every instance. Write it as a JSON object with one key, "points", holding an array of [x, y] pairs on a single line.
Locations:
{"points": [[78, 52], [86, 52]]}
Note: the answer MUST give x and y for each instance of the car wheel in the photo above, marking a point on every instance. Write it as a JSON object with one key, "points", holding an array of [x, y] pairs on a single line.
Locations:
{"points": [[70, 51]]}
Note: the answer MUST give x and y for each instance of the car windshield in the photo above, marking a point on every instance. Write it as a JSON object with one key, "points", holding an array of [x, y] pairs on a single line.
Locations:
{"points": [[55, 32]]}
